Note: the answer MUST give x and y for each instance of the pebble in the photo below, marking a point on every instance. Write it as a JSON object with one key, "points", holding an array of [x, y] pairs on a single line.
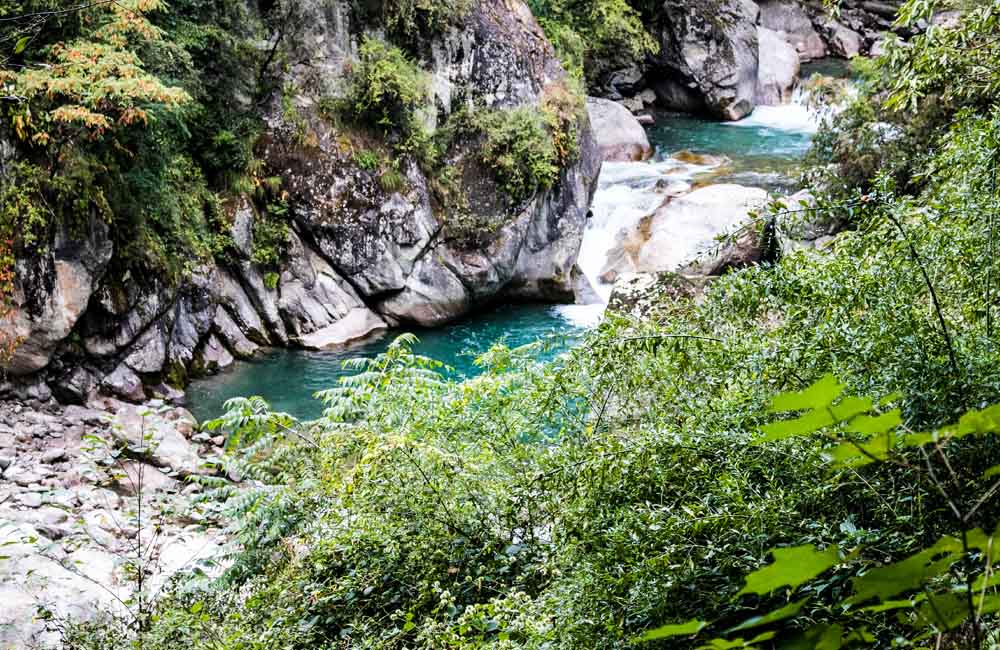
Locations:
{"points": [[54, 455], [29, 499], [6, 461]]}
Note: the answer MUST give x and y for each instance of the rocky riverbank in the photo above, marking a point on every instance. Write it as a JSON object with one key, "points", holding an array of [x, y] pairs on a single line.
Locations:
{"points": [[89, 498]]}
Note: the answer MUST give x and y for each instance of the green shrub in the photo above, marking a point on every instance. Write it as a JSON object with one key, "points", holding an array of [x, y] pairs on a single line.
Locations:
{"points": [[392, 181], [387, 89], [588, 33], [367, 160], [410, 21], [528, 147], [520, 150], [270, 236]]}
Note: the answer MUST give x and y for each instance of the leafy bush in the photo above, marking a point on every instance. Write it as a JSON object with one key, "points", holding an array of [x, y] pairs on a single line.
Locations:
{"points": [[589, 33], [520, 151], [410, 18], [934, 592], [387, 88]]}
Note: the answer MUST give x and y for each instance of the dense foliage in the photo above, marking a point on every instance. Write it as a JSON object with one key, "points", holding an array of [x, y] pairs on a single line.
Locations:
{"points": [[115, 111], [588, 34], [642, 479]]}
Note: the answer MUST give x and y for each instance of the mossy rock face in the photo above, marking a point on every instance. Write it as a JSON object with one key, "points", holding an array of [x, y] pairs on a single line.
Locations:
{"points": [[357, 223], [452, 230]]}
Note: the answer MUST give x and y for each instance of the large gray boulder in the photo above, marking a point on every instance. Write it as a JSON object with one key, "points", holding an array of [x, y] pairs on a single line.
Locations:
{"points": [[619, 135], [790, 20], [683, 230], [394, 243], [778, 70], [709, 54], [51, 292], [842, 40]]}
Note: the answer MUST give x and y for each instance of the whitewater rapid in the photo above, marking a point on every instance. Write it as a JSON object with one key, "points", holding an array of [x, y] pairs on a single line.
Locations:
{"points": [[627, 192]]}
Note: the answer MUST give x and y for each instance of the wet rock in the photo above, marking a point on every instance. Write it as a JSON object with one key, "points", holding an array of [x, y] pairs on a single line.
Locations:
{"points": [[620, 137], [778, 71], [357, 324], [434, 295], [682, 229], [212, 356], [230, 333], [842, 41]]}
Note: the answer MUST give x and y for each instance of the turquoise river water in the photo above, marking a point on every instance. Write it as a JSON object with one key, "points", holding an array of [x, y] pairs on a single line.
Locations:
{"points": [[764, 151]]}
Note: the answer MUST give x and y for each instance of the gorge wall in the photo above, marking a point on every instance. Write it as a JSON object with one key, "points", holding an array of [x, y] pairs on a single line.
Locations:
{"points": [[372, 235], [361, 253]]}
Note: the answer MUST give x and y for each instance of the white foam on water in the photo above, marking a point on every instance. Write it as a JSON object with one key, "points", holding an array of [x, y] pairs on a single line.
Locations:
{"points": [[787, 117], [584, 316], [627, 192]]}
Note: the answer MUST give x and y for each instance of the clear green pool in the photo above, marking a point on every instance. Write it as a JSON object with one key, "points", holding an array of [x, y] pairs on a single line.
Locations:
{"points": [[289, 378]]}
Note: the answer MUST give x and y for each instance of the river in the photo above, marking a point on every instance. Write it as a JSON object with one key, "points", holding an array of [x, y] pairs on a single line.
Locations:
{"points": [[764, 150]]}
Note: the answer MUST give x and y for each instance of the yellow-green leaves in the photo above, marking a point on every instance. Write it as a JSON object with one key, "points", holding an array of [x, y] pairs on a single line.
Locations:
{"points": [[824, 407], [792, 567], [688, 628], [819, 395], [886, 582]]}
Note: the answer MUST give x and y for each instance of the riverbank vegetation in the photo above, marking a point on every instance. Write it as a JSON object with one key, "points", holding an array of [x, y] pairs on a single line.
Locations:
{"points": [[657, 485]]}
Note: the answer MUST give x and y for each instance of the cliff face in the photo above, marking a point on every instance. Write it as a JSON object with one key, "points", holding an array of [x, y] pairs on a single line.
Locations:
{"points": [[360, 253], [724, 57]]}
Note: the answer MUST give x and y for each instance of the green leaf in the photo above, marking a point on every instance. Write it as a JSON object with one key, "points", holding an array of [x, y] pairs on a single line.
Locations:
{"points": [[944, 611], [818, 637], [819, 395], [891, 605], [850, 407], [890, 398], [21, 44], [859, 454], [197, 607], [689, 628], [726, 644], [808, 423], [906, 575], [788, 611], [792, 567], [991, 472], [871, 425]]}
